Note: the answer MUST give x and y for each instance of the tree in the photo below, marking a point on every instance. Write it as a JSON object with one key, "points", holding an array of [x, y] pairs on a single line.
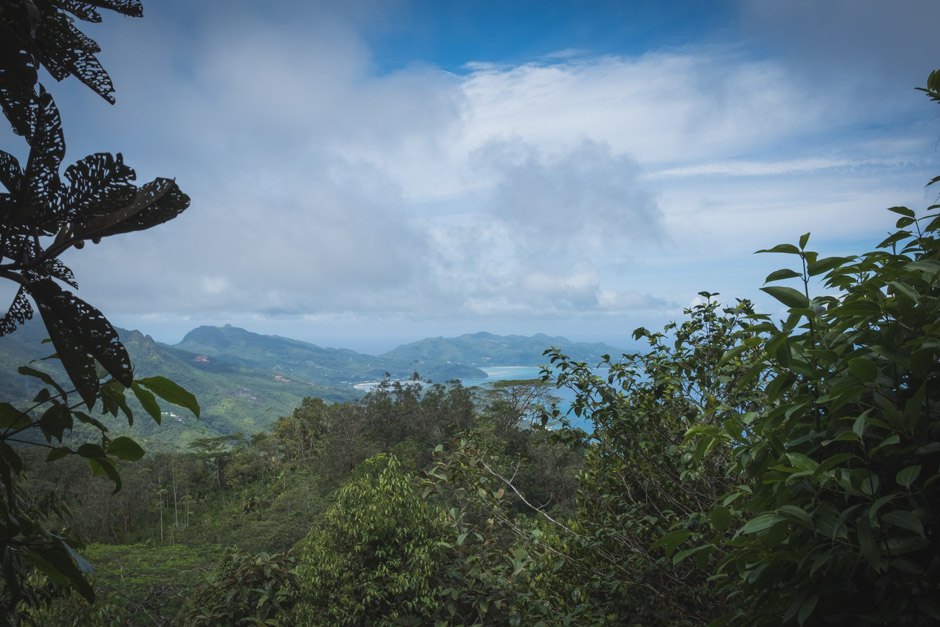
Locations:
{"points": [[788, 470], [42, 217], [839, 498], [642, 480], [375, 556]]}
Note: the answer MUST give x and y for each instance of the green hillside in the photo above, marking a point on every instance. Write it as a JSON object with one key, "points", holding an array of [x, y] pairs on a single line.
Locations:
{"points": [[485, 349], [303, 361], [234, 396], [245, 381]]}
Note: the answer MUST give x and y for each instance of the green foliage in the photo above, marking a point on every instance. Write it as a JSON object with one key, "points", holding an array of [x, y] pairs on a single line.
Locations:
{"points": [[504, 551], [135, 584], [99, 199], [26, 540], [375, 556], [643, 481], [840, 485], [258, 589], [43, 217]]}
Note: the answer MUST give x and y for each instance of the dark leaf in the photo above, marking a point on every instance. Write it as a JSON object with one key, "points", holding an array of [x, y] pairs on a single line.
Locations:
{"points": [[81, 335], [787, 295], [103, 466], [82, 10], [19, 312], [12, 418], [863, 368], [41, 185], [17, 81], [778, 275], [42, 376], [125, 448], [10, 173], [130, 8], [64, 50], [55, 422], [171, 392], [905, 520], [99, 184], [782, 248], [147, 400], [155, 203], [826, 264]]}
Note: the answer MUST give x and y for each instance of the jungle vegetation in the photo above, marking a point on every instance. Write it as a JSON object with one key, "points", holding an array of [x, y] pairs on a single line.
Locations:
{"points": [[742, 469]]}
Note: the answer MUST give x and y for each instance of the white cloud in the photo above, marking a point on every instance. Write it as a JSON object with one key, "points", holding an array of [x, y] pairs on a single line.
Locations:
{"points": [[571, 186]]}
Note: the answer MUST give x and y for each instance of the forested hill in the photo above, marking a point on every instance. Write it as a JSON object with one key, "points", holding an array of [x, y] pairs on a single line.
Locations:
{"points": [[234, 396], [296, 359], [244, 381], [485, 349]]}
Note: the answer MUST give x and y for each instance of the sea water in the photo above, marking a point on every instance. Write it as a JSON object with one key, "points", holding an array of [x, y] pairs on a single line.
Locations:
{"points": [[564, 396]]}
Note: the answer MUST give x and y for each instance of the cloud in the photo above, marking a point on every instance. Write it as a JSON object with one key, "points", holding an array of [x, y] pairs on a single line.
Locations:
{"points": [[870, 44], [567, 186]]}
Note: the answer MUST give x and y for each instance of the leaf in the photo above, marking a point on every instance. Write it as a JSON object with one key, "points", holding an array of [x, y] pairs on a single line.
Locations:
{"points": [[125, 448], [55, 562], [671, 540], [802, 462], [863, 369], [907, 476], [55, 422], [720, 518], [147, 400], [171, 392], [807, 608], [156, 202], [90, 451], [779, 275], [731, 354], [787, 295], [681, 555], [58, 453], [81, 334], [103, 465], [12, 418], [903, 211], [762, 523], [42, 376], [869, 549], [789, 249], [796, 513], [858, 427], [17, 81], [804, 238], [18, 313], [905, 520], [825, 265]]}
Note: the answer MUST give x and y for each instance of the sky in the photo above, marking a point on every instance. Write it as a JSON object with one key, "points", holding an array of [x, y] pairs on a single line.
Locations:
{"points": [[369, 173]]}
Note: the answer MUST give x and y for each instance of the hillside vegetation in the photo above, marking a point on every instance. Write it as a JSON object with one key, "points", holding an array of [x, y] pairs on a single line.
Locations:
{"points": [[741, 470]]}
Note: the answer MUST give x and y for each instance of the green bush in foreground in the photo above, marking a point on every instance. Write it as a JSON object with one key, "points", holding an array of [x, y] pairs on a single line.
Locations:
{"points": [[375, 555], [840, 483]]}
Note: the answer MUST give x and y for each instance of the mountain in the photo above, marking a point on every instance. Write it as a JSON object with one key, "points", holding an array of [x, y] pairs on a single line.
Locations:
{"points": [[304, 361], [234, 396], [485, 349], [244, 381]]}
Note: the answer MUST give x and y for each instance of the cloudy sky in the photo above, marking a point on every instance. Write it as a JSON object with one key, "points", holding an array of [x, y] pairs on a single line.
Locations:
{"points": [[372, 172]]}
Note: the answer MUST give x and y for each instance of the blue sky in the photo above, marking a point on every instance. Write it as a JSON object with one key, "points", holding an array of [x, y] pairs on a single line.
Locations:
{"points": [[383, 171]]}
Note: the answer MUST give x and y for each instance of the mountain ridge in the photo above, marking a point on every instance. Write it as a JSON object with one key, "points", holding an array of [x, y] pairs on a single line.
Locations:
{"points": [[245, 381]]}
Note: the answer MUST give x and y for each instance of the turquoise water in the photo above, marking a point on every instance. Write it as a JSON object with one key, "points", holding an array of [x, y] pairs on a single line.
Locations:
{"points": [[504, 373], [515, 373]]}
